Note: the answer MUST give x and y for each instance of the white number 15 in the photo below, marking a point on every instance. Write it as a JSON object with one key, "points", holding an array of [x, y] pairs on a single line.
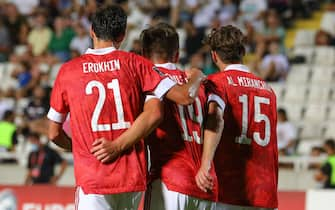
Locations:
{"points": [[258, 117]]}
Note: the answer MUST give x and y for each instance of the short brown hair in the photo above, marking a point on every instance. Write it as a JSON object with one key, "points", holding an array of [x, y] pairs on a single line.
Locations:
{"points": [[228, 42], [161, 39]]}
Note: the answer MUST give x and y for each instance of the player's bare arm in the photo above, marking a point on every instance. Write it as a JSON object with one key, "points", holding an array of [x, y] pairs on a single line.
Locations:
{"points": [[212, 135], [186, 93], [106, 150], [58, 136]]}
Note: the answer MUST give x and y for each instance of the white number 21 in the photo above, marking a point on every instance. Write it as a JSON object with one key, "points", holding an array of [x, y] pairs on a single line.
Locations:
{"points": [[114, 85], [258, 117]]}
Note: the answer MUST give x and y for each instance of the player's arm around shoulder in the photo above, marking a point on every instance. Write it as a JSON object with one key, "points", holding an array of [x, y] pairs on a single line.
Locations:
{"points": [[106, 150], [186, 93]]}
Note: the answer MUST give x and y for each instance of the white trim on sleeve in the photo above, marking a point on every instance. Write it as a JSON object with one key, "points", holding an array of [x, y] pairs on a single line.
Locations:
{"points": [[148, 97], [163, 87], [217, 99], [56, 116]]}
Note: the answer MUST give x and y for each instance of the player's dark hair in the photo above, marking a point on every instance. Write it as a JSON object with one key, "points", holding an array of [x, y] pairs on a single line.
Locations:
{"points": [[228, 42], [330, 143], [161, 39], [109, 23]]}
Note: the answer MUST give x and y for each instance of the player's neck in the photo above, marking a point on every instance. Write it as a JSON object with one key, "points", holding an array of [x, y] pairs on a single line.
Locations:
{"points": [[99, 44], [222, 66], [157, 60]]}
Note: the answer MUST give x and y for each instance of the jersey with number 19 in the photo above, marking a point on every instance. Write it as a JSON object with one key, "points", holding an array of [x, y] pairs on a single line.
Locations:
{"points": [[246, 160], [104, 92], [176, 145]]}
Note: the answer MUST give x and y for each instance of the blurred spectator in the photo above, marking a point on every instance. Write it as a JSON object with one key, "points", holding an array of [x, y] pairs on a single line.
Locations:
{"points": [[194, 37], [59, 44], [26, 7], [316, 151], [273, 31], [205, 14], [326, 174], [40, 35], [16, 24], [274, 66], [38, 105], [22, 74], [253, 11], [323, 38], [227, 12], [286, 134], [5, 42], [82, 41], [8, 138], [6, 103], [41, 163]]}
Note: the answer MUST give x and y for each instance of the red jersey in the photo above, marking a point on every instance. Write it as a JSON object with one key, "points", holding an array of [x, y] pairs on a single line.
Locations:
{"points": [[104, 91], [176, 145], [246, 160]]}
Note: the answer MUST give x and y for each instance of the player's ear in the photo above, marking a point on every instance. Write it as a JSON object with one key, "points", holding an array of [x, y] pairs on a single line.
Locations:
{"points": [[214, 56], [92, 34], [176, 57]]}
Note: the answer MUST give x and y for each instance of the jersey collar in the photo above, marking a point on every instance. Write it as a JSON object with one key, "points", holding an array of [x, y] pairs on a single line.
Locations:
{"points": [[169, 66], [101, 51], [238, 67]]}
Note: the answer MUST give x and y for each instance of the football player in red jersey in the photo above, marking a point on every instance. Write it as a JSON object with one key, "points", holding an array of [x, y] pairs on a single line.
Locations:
{"points": [[246, 158], [176, 145], [104, 90]]}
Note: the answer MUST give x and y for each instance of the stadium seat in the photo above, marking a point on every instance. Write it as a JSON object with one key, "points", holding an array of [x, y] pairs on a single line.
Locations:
{"points": [[315, 113], [295, 93], [328, 22], [311, 131], [304, 37], [294, 111], [318, 94], [330, 130], [306, 52], [331, 114], [299, 74], [53, 73], [322, 75], [324, 55], [305, 146], [278, 88]]}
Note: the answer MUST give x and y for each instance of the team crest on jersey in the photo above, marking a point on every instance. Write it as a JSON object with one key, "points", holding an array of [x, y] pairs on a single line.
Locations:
{"points": [[155, 68]]}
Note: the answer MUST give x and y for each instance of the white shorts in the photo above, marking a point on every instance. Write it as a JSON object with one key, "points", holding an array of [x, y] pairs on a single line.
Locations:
{"points": [[221, 206], [160, 198], [121, 201]]}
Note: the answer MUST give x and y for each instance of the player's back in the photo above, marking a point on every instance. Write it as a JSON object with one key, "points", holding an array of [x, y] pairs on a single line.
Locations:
{"points": [[176, 145], [104, 92], [246, 159]]}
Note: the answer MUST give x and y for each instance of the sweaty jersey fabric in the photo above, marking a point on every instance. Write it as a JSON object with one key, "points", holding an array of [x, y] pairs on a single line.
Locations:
{"points": [[104, 91], [246, 160], [176, 145]]}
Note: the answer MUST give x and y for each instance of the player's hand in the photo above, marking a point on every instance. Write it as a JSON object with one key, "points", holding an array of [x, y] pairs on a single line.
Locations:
{"points": [[195, 73], [105, 151], [204, 180]]}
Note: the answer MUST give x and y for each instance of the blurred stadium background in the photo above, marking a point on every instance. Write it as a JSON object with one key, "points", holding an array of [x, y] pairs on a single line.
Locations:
{"points": [[37, 36]]}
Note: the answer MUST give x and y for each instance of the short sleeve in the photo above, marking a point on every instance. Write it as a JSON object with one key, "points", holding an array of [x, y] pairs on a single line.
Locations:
{"points": [[151, 79], [58, 101], [215, 93]]}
